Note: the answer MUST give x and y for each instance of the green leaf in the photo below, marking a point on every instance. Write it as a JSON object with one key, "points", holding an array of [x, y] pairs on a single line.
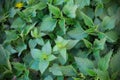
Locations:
{"points": [[47, 48], [87, 20], [62, 25], [24, 76], [10, 48], [40, 41], [78, 33], [26, 17], [18, 24], [99, 44], [69, 1], [61, 60], [115, 63], [112, 10], [27, 29], [55, 69], [51, 58], [18, 66], [35, 33], [111, 36], [43, 66], [60, 78], [58, 2], [40, 6], [108, 23], [20, 47], [88, 11], [92, 30], [82, 3], [48, 24], [99, 9], [87, 43], [68, 70], [91, 72], [31, 11], [64, 54], [4, 60], [48, 78], [70, 10], [103, 63], [69, 21], [27, 59], [54, 10], [12, 12], [97, 21], [102, 75], [84, 65], [71, 44], [35, 65], [32, 43], [11, 35], [106, 1], [36, 54]]}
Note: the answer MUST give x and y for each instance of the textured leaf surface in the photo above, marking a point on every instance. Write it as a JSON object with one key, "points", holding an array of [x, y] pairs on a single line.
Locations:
{"points": [[48, 24]]}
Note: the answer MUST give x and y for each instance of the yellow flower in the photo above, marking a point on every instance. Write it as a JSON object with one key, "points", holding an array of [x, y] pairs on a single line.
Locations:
{"points": [[19, 5]]}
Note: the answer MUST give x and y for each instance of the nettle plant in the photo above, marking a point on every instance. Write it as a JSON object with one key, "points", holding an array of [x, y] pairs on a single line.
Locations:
{"points": [[42, 58], [59, 39]]}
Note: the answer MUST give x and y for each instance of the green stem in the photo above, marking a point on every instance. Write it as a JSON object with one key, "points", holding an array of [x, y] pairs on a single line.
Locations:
{"points": [[9, 66]]}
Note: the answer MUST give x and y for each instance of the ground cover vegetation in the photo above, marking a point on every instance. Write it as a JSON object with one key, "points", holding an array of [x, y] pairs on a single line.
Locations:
{"points": [[59, 40]]}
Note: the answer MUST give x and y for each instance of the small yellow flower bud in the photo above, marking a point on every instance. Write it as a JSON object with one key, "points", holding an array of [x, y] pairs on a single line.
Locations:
{"points": [[19, 5]]}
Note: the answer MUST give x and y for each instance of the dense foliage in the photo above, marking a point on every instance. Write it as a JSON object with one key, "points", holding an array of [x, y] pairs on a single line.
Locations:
{"points": [[59, 39]]}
